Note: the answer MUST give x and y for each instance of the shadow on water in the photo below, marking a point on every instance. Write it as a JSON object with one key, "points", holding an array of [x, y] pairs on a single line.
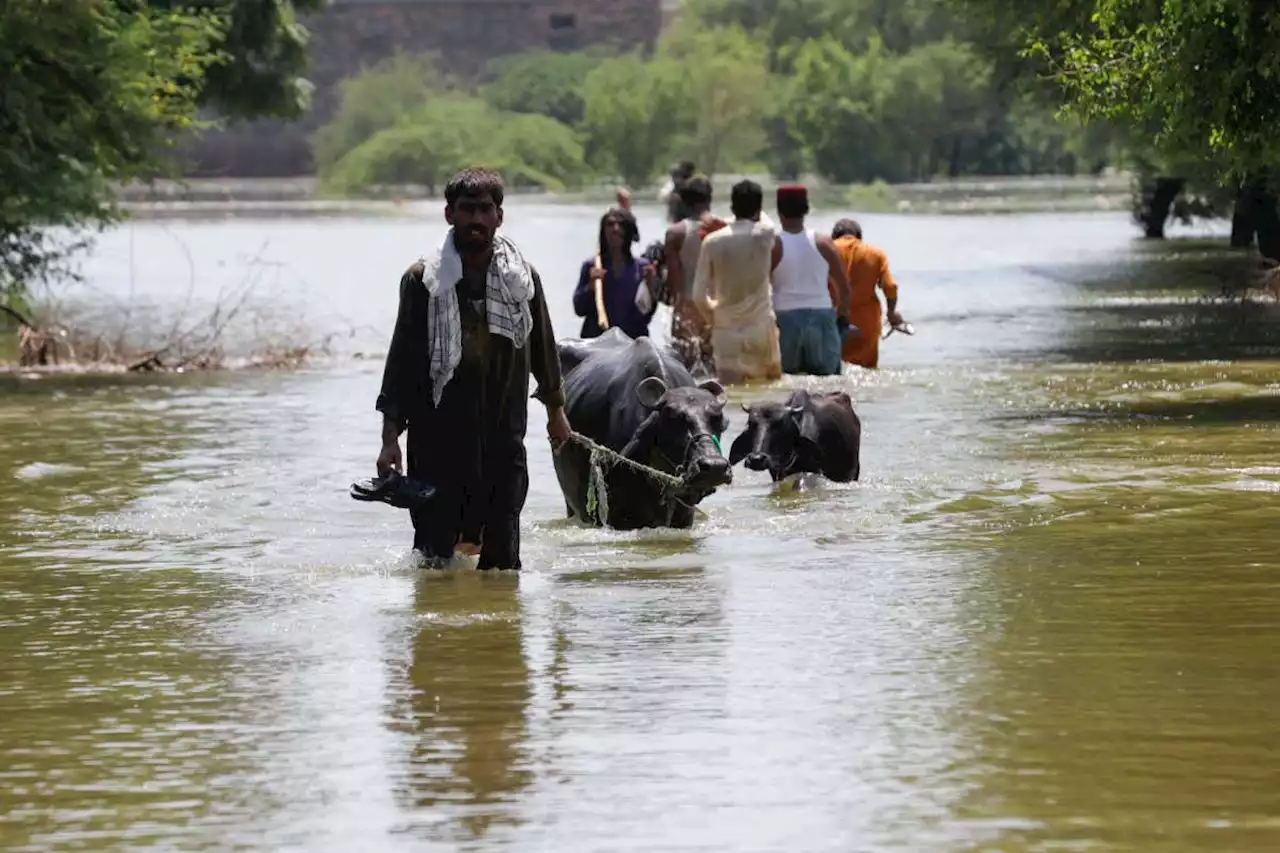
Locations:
{"points": [[1177, 301]]}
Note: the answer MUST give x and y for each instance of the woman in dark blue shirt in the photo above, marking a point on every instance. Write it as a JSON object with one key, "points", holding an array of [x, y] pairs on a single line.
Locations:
{"points": [[623, 276]]}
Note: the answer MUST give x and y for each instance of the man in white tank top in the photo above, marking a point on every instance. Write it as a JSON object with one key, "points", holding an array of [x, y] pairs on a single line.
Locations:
{"points": [[810, 330]]}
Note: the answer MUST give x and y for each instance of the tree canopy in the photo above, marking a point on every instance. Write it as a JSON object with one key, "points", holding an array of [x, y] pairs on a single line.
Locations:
{"points": [[94, 93], [1190, 81], [262, 55]]}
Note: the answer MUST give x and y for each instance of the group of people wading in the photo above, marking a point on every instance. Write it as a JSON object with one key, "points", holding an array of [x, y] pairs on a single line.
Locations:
{"points": [[751, 299]]}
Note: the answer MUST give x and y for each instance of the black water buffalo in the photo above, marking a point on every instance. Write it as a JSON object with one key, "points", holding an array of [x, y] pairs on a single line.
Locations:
{"points": [[636, 398], [811, 434]]}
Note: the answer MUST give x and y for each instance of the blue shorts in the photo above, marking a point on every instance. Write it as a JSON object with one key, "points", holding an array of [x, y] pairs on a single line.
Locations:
{"points": [[809, 341]]}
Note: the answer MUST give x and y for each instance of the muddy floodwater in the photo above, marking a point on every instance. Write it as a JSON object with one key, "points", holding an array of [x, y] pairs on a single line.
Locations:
{"points": [[1047, 618]]}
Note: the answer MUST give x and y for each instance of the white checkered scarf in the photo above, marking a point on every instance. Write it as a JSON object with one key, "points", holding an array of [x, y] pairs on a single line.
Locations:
{"points": [[507, 297]]}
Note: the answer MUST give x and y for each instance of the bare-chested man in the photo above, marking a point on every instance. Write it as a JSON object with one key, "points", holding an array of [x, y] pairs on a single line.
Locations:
{"points": [[690, 331]]}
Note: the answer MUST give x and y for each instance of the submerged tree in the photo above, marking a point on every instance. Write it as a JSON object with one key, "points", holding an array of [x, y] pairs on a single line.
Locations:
{"points": [[1196, 83]]}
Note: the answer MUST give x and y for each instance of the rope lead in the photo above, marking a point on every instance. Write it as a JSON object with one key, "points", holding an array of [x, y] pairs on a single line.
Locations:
{"points": [[601, 456]]}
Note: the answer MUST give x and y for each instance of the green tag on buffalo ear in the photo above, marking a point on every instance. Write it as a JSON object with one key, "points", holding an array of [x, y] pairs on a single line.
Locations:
{"points": [[716, 439]]}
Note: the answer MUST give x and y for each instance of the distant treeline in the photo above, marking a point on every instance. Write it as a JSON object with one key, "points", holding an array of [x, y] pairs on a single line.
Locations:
{"points": [[850, 90]]}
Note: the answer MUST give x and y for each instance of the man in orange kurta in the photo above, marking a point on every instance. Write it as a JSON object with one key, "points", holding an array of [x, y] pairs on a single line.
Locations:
{"points": [[866, 267]]}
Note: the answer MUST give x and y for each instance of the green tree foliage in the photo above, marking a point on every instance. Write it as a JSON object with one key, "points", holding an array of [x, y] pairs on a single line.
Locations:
{"points": [[1192, 85], [634, 111], [541, 82], [874, 89], [452, 131], [540, 151], [728, 93], [1205, 73], [92, 93], [374, 101], [1189, 91], [263, 52], [855, 90]]}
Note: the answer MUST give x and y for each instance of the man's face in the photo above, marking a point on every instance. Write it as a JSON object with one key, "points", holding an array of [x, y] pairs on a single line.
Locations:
{"points": [[475, 219]]}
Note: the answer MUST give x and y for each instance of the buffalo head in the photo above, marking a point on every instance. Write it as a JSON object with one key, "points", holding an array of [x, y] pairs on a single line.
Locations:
{"points": [[778, 439], [683, 430]]}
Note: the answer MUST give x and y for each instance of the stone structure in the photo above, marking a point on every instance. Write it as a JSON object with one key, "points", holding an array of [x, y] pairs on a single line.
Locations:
{"points": [[466, 34]]}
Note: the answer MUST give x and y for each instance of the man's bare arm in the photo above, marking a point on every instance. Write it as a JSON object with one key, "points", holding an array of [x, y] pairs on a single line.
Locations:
{"points": [[675, 268], [835, 270]]}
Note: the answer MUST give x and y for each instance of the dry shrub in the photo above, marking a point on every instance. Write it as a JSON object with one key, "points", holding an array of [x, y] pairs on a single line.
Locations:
{"points": [[242, 327]]}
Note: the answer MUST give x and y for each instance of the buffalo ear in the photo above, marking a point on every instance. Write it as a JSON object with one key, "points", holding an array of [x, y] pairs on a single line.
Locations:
{"points": [[742, 445], [714, 388], [650, 392]]}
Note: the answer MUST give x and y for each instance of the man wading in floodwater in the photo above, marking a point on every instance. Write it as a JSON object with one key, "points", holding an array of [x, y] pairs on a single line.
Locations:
{"points": [[471, 327]]}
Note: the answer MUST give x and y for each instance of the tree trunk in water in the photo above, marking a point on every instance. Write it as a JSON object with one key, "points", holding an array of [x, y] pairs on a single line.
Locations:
{"points": [[1242, 227], [1269, 229], [1154, 203], [957, 148], [1256, 214]]}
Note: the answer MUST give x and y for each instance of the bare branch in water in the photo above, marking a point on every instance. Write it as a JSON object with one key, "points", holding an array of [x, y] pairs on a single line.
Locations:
{"points": [[193, 340]]}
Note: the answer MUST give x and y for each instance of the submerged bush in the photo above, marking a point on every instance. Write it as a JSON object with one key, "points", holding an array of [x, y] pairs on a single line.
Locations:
{"points": [[452, 132]]}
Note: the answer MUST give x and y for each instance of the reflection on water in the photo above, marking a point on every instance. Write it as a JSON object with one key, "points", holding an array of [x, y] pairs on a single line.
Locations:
{"points": [[1043, 620], [460, 701]]}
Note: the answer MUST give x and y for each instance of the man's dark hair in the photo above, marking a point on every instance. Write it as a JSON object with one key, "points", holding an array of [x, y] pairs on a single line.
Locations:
{"points": [[846, 228], [695, 191], [474, 182], [793, 207], [683, 170], [746, 199]]}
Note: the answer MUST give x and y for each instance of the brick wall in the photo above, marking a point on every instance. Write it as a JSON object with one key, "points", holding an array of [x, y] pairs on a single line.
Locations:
{"points": [[466, 34]]}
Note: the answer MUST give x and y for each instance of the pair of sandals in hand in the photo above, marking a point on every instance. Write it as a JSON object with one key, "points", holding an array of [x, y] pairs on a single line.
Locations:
{"points": [[394, 489]]}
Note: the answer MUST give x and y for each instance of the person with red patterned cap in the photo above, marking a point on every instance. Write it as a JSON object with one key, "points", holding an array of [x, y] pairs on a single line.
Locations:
{"points": [[809, 328]]}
